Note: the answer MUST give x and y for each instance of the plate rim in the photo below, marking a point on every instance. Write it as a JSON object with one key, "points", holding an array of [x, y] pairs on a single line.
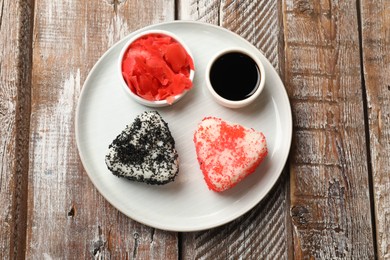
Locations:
{"points": [[232, 217]]}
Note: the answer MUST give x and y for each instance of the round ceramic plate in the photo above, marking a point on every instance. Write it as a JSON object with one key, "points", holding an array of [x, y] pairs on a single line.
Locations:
{"points": [[186, 204]]}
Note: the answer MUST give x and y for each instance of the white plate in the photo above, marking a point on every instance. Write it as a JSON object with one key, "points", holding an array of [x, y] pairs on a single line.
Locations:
{"points": [[186, 204]]}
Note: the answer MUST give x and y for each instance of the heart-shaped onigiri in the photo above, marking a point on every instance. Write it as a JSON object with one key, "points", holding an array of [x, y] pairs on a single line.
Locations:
{"points": [[227, 152], [144, 151]]}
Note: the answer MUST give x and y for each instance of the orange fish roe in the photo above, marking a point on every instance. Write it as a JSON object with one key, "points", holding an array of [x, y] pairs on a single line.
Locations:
{"points": [[227, 152]]}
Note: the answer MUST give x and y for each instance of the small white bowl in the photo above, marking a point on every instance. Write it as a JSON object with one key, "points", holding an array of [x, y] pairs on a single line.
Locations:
{"points": [[235, 103], [157, 103]]}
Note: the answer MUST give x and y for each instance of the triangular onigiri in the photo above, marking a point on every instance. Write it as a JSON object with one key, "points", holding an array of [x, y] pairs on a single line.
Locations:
{"points": [[144, 151]]}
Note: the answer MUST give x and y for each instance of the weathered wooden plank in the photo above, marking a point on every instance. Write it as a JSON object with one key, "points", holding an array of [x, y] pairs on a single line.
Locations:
{"points": [[256, 21], [262, 232], [259, 234], [68, 218], [330, 203], [15, 78], [375, 23]]}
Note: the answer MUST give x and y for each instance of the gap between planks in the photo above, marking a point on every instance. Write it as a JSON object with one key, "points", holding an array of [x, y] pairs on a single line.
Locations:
{"points": [[367, 129], [25, 12]]}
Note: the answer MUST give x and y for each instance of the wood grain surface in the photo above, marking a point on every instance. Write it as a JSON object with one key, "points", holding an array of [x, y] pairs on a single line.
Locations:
{"points": [[262, 232], [375, 24], [330, 203], [15, 77], [67, 216]]}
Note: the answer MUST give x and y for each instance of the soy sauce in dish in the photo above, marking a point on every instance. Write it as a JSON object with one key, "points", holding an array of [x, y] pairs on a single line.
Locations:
{"points": [[234, 76]]}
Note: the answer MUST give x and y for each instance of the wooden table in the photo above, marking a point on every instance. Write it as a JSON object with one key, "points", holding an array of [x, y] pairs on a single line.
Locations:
{"points": [[333, 198]]}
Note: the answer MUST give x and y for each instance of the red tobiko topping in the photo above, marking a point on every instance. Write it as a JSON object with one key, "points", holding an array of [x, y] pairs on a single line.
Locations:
{"points": [[157, 67]]}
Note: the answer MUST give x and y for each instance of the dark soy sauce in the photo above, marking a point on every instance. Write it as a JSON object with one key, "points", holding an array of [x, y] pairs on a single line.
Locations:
{"points": [[235, 76]]}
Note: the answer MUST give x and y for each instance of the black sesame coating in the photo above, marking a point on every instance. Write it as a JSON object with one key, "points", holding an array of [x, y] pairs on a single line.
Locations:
{"points": [[145, 146]]}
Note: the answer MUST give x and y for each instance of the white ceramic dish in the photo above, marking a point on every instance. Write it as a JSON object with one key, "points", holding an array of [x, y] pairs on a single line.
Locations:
{"points": [[240, 103], [186, 204], [158, 103]]}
